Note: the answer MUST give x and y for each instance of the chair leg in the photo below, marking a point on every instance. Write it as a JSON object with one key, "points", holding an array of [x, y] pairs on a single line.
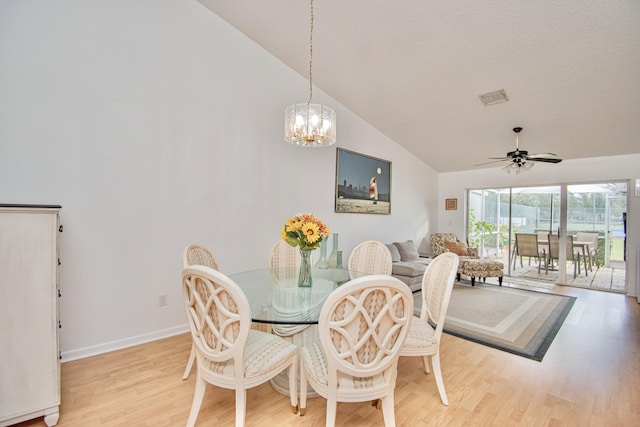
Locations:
{"points": [[197, 401], [192, 358], [303, 389], [332, 406], [473, 281], [241, 406], [388, 413], [425, 362], [293, 384], [437, 372], [586, 270], [500, 280]]}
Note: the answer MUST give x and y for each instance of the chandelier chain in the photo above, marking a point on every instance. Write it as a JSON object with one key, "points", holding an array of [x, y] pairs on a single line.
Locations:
{"points": [[311, 56]]}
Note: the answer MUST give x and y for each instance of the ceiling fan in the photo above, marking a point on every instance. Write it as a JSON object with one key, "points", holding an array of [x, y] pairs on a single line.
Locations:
{"points": [[520, 160]]}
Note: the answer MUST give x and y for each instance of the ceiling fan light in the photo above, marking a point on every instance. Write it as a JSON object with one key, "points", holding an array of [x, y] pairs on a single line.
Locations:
{"points": [[527, 165]]}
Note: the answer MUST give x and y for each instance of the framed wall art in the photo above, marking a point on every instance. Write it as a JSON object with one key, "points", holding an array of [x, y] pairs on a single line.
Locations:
{"points": [[363, 183], [451, 204]]}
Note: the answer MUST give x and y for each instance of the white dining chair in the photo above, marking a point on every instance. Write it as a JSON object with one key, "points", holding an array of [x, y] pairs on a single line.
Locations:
{"points": [[363, 325], [284, 261], [425, 334], [229, 353], [196, 255], [370, 257]]}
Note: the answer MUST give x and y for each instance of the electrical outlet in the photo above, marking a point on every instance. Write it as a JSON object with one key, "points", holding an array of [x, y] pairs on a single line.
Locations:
{"points": [[162, 300]]}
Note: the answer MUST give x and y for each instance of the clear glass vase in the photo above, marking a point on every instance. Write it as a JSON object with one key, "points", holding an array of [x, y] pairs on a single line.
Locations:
{"points": [[323, 262], [304, 278], [333, 258]]}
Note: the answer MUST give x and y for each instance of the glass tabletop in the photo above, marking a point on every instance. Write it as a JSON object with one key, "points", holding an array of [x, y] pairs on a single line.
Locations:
{"points": [[276, 298]]}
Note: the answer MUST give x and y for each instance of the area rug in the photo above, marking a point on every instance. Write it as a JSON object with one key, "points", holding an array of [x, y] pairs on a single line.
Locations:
{"points": [[519, 321]]}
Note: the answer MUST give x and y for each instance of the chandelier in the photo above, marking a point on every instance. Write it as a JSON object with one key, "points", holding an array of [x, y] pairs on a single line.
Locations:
{"points": [[307, 124]]}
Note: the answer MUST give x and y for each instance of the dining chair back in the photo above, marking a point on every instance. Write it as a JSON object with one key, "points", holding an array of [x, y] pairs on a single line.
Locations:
{"points": [[363, 325], [284, 261], [527, 246], [571, 254], [230, 354], [371, 257], [196, 255], [426, 331]]}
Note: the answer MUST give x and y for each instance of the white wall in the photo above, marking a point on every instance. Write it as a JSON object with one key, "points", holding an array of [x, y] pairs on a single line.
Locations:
{"points": [[155, 124], [601, 169]]}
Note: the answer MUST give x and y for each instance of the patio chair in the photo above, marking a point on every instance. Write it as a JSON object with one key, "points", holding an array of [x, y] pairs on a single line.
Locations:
{"points": [[554, 253], [527, 246], [592, 238]]}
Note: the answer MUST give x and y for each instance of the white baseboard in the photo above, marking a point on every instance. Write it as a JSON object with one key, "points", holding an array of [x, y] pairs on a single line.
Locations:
{"points": [[81, 353]]}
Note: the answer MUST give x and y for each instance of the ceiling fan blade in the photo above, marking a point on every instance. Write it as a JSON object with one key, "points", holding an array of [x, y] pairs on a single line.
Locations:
{"points": [[506, 159], [544, 157], [545, 160], [500, 158]]}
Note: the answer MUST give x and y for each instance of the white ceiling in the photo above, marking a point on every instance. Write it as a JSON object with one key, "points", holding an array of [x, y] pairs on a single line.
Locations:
{"points": [[414, 69]]}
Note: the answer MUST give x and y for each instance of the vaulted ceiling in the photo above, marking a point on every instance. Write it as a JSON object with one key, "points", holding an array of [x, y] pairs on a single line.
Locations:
{"points": [[414, 69]]}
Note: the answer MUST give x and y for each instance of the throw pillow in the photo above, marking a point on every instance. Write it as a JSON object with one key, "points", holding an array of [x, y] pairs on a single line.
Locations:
{"points": [[408, 251], [458, 248], [395, 255]]}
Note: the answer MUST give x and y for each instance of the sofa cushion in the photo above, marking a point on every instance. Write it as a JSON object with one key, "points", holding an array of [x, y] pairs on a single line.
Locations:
{"points": [[395, 255], [408, 251], [410, 269], [458, 248]]}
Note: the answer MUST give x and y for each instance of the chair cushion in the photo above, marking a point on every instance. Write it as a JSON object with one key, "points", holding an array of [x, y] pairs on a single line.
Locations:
{"points": [[263, 353], [395, 255], [458, 248], [421, 335], [408, 251]]}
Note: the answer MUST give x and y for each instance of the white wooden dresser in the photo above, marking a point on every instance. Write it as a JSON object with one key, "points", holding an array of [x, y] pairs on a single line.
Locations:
{"points": [[29, 321]]}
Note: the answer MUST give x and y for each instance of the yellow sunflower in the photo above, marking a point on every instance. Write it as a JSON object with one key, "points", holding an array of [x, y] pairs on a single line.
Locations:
{"points": [[310, 230]]}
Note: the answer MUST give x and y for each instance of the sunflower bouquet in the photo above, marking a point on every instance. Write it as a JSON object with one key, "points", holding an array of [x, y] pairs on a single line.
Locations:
{"points": [[305, 231]]}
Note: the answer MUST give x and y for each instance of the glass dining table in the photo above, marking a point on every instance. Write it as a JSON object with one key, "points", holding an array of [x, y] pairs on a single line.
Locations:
{"points": [[291, 311]]}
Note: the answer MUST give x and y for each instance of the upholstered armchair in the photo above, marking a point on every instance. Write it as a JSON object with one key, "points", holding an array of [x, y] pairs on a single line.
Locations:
{"points": [[449, 242]]}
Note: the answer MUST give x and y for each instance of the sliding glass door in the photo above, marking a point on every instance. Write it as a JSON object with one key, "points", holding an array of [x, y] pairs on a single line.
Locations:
{"points": [[589, 217]]}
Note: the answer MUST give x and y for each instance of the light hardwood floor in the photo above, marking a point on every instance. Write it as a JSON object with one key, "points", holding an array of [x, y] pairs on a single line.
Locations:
{"points": [[589, 377]]}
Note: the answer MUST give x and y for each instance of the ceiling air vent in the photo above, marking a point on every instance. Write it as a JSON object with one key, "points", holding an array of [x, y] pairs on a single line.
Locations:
{"points": [[494, 97]]}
